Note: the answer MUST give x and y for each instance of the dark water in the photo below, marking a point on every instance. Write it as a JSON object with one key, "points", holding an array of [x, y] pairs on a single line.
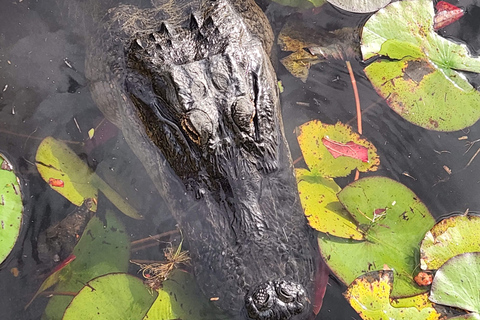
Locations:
{"points": [[43, 92]]}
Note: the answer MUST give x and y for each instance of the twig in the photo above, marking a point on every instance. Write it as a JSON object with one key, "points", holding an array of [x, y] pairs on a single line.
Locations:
{"points": [[476, 153]]}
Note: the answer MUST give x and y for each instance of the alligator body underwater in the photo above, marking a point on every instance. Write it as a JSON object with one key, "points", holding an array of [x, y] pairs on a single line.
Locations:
{"points": [[192, 87]]}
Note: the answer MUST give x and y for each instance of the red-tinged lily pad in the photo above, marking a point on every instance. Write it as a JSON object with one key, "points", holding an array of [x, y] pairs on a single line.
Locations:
{"points": [[335, 150], [111, 297], [11, 208], [447, 14], [420, 80], [369, 295], [393, 221], [103, 248], [67, 174], [457, 284], [450, 237]]}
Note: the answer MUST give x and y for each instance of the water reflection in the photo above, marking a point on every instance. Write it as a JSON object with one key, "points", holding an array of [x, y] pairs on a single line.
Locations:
{"points": [[43, 92]]}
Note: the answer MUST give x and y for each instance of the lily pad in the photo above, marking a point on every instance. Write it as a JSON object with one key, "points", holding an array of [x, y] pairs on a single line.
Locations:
{"points": [[111, 297], [322, 208], [369, 295], [335, 150], [393, 221], [448, 238], [103, 248], [457, 284], [420, 62], [181, 298], [67, 174], [360, 6], [11, 208]]}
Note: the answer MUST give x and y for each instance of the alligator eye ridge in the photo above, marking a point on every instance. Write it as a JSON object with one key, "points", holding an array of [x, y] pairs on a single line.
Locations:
{"points": [[198, 126]]}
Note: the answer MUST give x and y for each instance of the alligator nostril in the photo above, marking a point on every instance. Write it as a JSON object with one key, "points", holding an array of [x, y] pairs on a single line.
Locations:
{"points": [[276, 300]]}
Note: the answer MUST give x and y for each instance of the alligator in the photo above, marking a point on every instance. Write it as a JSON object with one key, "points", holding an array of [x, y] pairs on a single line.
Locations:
{"points": [[192, 88]]}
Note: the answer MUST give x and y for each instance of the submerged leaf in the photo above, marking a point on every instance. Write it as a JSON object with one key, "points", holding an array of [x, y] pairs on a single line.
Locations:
{"points": [[457, 284], [181, 298], [393, 221], [450, 237], [103, 248], [369, 295], [11, 208], [67, 174], [421, 80]]}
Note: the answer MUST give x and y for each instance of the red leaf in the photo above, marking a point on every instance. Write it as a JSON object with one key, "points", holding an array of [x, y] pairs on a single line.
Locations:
{"points": [[56, 182], [446, 14], [349, 149]]}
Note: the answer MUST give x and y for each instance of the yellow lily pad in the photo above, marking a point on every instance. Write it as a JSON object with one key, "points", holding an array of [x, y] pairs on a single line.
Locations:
{"points": [[369, 295]]}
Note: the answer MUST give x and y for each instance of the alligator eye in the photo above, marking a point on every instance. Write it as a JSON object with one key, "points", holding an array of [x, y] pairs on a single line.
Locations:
{"points": [[243, 112], [198, 126]]}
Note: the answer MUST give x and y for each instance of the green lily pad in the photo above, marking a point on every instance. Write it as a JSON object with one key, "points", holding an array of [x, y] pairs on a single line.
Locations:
{"points": [[322, 208], [181, 298], [11, 208], [457, 284], [111, 297], [420, 62], [334, 151], [393, 221], [448, 238], [369, 295], [67, 174], [360, 6], [103, 248]]}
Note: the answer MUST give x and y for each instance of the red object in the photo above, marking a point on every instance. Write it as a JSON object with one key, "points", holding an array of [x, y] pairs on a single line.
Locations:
{"points": [[447, 13], [423, 278], [349, 149], [321, 282], [56, 182], [64, 263]]}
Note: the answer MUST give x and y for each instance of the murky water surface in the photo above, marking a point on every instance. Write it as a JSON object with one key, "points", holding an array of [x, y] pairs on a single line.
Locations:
{"points": [[43, 92]]}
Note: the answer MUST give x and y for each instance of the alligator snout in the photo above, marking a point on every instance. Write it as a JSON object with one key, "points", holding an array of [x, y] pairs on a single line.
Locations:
{"points": [[276, 300]]}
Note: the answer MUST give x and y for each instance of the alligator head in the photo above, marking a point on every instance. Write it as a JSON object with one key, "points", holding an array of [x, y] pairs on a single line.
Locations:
{"points": [[205, 94]]}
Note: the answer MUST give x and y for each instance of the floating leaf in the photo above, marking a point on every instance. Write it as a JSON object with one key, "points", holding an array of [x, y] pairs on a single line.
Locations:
{"points": [[322, 208], [91, 132], [11, 208], [421, 62], [446, 14], [393, 221], [457, 284], [180, 298], [448, 238], [360, 6], [369, 295], [319, 159], [111, 297], [349, 149], [103, 248], [67, 174]]}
